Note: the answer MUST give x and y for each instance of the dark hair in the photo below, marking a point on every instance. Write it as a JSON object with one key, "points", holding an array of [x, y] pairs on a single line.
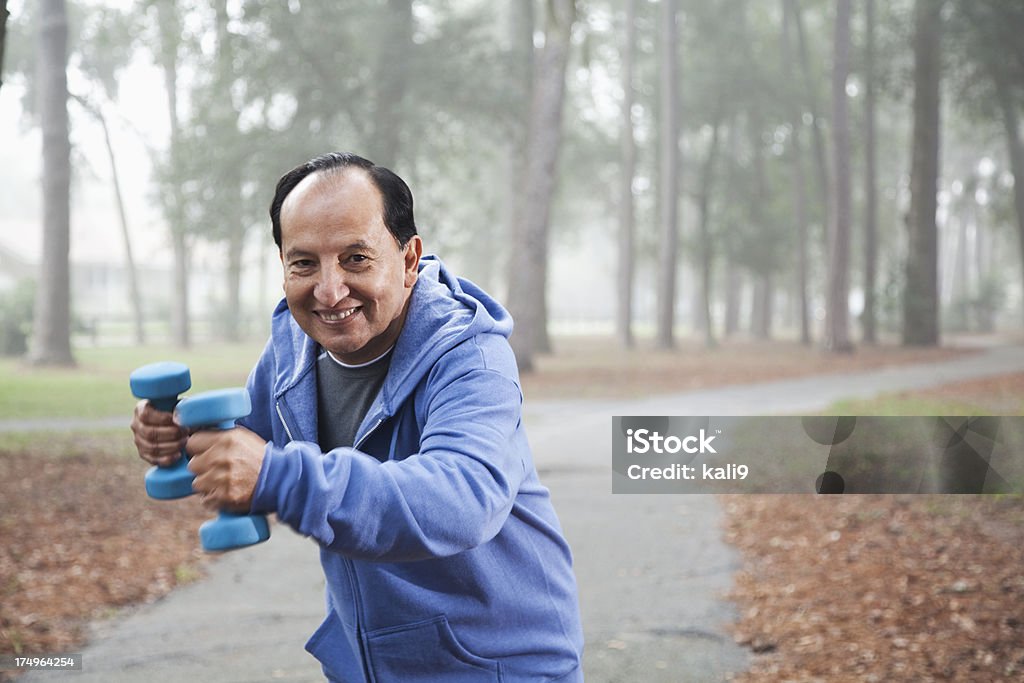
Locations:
{"points": [[396, 196]]}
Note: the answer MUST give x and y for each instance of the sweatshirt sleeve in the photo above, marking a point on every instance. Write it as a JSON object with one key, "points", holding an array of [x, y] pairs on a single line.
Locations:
{"points": [[452, 495]]}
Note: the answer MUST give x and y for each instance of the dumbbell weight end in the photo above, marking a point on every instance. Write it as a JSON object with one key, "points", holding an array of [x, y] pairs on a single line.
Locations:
{"points": [[170, 483], [228, 531]]}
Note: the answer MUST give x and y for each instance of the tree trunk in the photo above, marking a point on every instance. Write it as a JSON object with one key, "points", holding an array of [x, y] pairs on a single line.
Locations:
{"points": [[837, 312], [733, 273], [224, 117], [669, 177], [3, 36], [181, 324], [755, 321], [520, 26], [733, 289], [1011, 123], [761, 297], [870, 180], [170, 37], [704, 218], [233, 317], [393, 62], [959, 288], [528, 264], [51, 339], [129, 260], [762, 315], [762, 312], [820, 154], [799, 183], [921, 303], [627, 143]]}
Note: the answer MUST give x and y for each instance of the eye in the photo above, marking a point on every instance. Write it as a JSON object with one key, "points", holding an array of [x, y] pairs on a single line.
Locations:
{"points": [[303, 264], [358, 259]]}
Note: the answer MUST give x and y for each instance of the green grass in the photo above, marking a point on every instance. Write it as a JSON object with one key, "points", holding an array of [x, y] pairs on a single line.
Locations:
{"points": [[98, 387], [904, 405]]}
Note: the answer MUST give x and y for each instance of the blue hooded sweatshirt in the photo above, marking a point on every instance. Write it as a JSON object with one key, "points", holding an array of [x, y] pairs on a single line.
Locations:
{"points": [[443, 555]]}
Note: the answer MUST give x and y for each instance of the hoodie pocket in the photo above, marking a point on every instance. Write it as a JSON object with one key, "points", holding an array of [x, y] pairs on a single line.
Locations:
{"points": [[426, 651], [333, 648]]}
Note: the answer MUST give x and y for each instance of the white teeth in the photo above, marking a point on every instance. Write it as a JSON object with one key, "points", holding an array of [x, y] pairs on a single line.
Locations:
{"points": [[335, 316]]}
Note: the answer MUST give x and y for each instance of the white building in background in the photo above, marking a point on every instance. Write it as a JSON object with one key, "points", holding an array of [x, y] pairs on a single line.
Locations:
{"points": [[13, 268], [101, 303]]}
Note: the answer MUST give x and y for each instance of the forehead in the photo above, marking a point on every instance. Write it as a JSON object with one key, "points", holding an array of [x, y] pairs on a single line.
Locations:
{"points": [[344, 200]]}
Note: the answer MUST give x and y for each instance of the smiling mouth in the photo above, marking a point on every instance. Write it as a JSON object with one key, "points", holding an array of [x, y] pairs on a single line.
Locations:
{"points": [[336, 316]]}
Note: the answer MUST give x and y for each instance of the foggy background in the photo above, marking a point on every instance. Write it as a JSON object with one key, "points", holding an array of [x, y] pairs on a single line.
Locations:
{"points": [[768, 200]]}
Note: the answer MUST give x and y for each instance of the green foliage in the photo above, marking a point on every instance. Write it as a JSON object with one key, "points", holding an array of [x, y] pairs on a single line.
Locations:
{"points": [[990, 298], [16, 318], [984, 37], [107, 44]]}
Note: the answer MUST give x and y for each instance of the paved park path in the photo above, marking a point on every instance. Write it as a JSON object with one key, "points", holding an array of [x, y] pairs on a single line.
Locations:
{"points": [[652, 569]]}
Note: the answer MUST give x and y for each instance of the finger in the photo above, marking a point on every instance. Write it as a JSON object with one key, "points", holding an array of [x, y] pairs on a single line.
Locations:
{"points": [[210, 501], [209, 490], [161, 459], [200, 442], [148, 414], [201, 484], [170, 435], [165, 459], [164, 443], [165, 440], [208, 476], [155, 430], [161, 453]]}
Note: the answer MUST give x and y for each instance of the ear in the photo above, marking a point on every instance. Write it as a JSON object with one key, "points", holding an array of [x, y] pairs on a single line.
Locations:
{"points": [[413, 252]]}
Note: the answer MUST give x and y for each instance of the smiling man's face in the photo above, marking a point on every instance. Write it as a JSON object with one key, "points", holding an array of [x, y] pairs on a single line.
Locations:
{"points": [[346, 280]]}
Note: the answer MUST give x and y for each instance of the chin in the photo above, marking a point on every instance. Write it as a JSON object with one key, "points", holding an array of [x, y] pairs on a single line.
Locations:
{"points": [[341, 348]]}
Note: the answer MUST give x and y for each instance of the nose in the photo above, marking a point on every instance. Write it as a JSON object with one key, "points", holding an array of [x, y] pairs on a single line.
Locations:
{"points": [[330, 287]]}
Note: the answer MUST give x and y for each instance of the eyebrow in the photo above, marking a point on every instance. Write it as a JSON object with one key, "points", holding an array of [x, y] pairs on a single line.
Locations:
{"points": [[358, 245], [293, 253]]}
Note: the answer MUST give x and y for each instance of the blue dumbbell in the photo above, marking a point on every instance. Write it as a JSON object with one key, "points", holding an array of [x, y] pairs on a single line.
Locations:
{"points": [[219, 410], [161, 383]]}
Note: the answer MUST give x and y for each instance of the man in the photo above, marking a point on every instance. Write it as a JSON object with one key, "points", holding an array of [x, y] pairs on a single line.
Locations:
{"points": [[386, 426]]}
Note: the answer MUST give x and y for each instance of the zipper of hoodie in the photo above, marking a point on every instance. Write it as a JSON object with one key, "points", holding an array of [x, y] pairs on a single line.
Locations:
{"points": [[357, 599], [353, 580], [371, 430], [284, 423]]}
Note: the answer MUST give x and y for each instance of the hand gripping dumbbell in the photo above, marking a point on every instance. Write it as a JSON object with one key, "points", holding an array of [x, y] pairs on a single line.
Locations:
{"points": [[218, 410], [161, 383]]}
